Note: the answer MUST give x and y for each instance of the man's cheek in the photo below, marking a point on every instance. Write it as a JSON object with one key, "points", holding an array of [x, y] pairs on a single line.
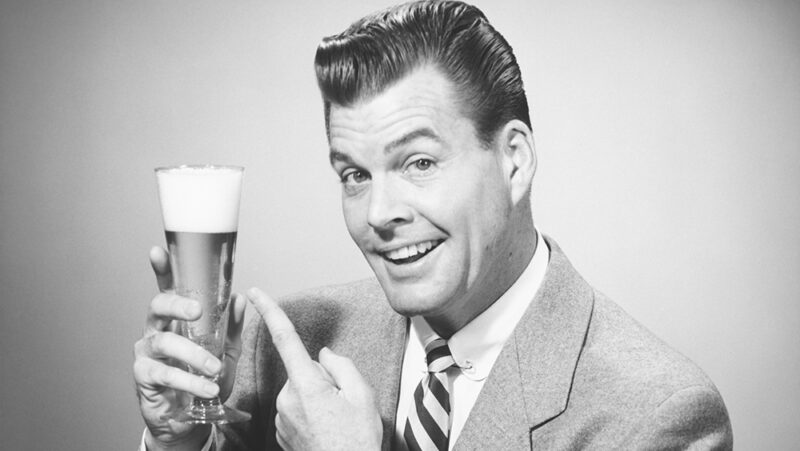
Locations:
{"points": [[354, 226]]}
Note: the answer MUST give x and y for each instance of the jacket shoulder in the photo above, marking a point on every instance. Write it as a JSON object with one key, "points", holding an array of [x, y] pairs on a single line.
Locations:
{"points": [[631, 382], [621, 349], [351, 295], [333, 305]]}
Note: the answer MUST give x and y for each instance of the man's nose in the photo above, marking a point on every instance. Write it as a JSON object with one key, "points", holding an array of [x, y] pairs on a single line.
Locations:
{"points": [[387, 206]]}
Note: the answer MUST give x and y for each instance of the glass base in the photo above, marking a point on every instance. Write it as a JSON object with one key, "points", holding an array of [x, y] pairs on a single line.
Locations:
{"points": [[209, 411]]}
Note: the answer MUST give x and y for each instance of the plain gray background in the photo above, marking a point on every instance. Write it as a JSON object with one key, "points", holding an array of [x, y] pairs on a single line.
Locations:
{"points": [[667, 131]]}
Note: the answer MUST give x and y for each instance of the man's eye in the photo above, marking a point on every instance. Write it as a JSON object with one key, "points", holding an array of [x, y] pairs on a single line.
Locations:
{"points": [[354, 177], [421, 165]]}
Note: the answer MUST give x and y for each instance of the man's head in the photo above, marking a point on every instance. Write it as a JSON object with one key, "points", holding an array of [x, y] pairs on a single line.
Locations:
{"points": [[435, 197], [380, 49]]}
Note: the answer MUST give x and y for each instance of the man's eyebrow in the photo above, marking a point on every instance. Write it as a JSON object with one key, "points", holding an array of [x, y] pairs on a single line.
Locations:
{"points": [[424, 132], [336, 156]]}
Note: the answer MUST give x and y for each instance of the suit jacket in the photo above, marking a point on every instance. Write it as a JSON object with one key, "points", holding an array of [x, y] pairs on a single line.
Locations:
{"points": [[577, 373]]}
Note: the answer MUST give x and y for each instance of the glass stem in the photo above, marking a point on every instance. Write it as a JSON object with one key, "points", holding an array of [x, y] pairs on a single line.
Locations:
{"points": [[205, 403]]}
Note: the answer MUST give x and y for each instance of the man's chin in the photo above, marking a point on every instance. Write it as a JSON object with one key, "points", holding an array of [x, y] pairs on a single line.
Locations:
{"points": [[414, 296], [413, 303]]}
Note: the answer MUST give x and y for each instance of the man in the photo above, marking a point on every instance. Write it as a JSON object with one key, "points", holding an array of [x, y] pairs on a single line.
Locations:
{"points": [[477, 333]]}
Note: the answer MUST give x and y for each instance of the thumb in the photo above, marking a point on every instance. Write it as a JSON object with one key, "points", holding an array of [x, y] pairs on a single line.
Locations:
{"points": [[233, 344], [233, 339], [346, 376], [325, 375], [159, 260]]}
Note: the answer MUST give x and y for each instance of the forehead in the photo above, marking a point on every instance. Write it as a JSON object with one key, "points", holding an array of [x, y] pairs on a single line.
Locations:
{"points": [[424, 98]]}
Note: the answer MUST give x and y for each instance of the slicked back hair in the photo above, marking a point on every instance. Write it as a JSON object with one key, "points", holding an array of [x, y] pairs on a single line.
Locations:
{"points": [[454, 37]]}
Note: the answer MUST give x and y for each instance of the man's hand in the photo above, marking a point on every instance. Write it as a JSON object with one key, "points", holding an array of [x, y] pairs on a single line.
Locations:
{"points": [[325, 405], [162, 356]]}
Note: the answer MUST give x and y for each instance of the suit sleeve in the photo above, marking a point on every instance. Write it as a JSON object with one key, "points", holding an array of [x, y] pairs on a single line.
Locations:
{"points": [[693, 418], [246, 396]]}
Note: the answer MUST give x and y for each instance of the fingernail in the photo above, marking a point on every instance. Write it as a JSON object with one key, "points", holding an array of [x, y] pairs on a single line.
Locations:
{"points": [[213, 366], [210, 388], [252, 293], [192, 309]]}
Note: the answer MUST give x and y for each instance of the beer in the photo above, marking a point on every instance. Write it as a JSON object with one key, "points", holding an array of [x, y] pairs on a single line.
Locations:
{"points": [[202, 269], [200, 207]]}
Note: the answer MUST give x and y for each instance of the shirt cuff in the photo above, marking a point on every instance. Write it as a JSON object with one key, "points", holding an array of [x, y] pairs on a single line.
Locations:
{"points": [[208, 446]]}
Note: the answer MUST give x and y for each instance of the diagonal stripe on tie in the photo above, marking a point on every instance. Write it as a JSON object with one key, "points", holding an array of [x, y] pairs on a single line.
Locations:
{"points": [[433, 426], [439, 392], [438, 411], [415, 436], [441, 350], [428, 424]]}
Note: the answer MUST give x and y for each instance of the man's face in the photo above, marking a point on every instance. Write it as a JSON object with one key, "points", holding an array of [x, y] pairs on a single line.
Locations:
{"points": [[427, 204]]}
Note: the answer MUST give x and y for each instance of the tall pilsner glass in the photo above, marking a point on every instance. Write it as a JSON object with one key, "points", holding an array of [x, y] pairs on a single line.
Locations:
{"points": [[200, 207]]}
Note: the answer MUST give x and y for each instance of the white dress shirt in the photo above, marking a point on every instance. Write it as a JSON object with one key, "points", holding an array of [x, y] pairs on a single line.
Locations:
{"points": [[475, 347]]}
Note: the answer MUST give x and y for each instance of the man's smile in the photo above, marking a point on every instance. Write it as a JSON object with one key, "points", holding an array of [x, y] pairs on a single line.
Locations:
{"points": [[410, 253]]}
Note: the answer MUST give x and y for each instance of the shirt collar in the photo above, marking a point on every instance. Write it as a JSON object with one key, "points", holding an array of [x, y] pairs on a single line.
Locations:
{"points": [[475, 346]]}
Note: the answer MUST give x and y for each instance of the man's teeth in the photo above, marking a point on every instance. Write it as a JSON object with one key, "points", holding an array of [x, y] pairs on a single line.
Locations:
{"points": [[410, 251]]}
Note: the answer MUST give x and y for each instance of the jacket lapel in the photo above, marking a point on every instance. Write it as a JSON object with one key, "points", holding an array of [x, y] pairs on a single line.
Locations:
{"points": [[498, 419], [378, 354], [393, 339], [531, 379]]}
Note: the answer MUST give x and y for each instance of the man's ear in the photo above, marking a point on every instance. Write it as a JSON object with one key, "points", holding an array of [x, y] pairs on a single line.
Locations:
{"points": [[519, 157]]}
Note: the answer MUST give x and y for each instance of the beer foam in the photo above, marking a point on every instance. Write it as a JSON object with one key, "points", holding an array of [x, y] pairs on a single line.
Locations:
{"points": [[200, 198]]}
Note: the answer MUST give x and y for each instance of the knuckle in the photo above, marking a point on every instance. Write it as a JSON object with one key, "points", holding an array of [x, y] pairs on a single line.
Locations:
{"points": [[140, 370], [157, 343], [282, 401], [155, 373], [197, 384], [163, 374], [280, 427], [279, 435], [202, 385], [283, 335], [197, 352], [140, 347], [159, 308], [157, 303], [154, 303], [199, 356], [160, 343], [175, 304]]}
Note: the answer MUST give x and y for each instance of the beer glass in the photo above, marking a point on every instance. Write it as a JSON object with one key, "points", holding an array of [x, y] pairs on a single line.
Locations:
{"points": [[200, 208]]}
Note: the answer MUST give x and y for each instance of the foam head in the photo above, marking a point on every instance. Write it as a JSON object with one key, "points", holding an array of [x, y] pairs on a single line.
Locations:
{"points": [[200, 198]]}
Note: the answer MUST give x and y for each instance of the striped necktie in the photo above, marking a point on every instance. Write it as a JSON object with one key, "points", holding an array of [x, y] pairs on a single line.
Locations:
{"points": [[428, 424]]}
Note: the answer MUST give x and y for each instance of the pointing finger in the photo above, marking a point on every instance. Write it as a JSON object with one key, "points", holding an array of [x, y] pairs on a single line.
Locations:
{"points": [[291, 349]]}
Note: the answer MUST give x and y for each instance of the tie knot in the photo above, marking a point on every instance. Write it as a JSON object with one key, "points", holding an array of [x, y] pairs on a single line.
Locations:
{"points": [[438, 356]]}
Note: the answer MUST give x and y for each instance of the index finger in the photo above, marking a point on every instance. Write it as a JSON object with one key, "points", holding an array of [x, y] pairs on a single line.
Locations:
{"points": [[295, 358]]}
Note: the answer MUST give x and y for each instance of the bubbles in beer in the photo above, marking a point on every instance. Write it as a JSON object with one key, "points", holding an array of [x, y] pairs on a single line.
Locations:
{"points": [[201, 269]]}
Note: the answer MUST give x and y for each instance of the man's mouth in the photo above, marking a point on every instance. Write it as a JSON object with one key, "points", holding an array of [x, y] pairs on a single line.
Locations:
{"points": [[411, 253]]}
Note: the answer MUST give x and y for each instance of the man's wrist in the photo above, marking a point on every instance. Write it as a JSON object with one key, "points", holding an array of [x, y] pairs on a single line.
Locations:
{"points": [[199, 439]]}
